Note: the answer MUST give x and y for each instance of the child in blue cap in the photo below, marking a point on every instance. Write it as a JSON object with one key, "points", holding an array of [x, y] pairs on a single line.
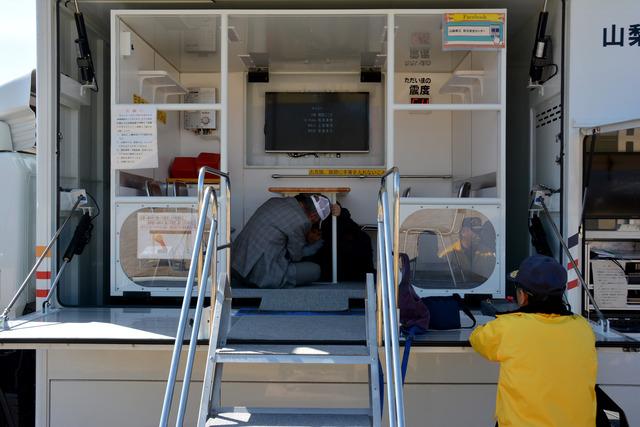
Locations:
{"points": [[547, 354]]}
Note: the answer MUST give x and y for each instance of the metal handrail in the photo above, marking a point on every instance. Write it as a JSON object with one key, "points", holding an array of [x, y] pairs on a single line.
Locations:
{"points": [[603, 322], [395, 172], [209, 203], [387, 271], [227, 194], [4, 317]]}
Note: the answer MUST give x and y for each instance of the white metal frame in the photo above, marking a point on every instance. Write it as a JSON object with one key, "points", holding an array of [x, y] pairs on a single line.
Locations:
{"points": [[46, 178], [119, 281], [125, 207], [391, 106], [491, 209]]}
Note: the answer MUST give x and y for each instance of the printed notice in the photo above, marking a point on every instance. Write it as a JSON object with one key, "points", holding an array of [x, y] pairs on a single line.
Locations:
{"points": [[473, 31], [166, 235], [135, 139], [610, 284]]}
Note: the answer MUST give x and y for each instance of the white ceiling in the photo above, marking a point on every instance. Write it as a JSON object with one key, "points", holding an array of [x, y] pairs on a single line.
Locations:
{"points": [[519, 11], [296, 43], [189, 42]]}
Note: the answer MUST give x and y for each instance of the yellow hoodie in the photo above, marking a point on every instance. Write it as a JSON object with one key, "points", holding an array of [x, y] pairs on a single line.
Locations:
{"points": [[548, 367]]}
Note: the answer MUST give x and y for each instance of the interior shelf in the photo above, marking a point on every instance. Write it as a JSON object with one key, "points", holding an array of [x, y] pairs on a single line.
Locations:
{"points": [[160, 80], [462, 82]]}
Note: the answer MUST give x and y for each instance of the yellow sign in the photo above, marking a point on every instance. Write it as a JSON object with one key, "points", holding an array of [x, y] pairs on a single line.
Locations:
{"points": [[346, 172], [475, 17], [162, 115], [473, 31]]}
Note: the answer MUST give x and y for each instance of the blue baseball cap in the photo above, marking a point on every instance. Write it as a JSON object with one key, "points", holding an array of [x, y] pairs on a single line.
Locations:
{"points": [[541, 276]]}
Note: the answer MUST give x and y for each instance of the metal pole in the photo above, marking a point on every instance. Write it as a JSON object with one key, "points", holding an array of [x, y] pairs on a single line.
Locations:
{"points": [[393, 322], [209, 266], [45, 303], [334, 242], [184, 311], [603, 321], [396, 227], [227, 190], [5, 314], [382, 274]]}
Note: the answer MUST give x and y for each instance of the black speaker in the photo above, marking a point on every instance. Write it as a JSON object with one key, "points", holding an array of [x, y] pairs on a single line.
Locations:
{"points": [[258, 75], [371, 75]]}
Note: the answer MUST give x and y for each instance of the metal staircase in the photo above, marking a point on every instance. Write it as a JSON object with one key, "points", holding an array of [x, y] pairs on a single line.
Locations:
{"points": [[211, 412]]}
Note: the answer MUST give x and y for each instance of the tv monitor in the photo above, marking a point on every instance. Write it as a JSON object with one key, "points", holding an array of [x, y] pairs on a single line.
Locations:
{"points": [[315, 122], [614, 187]]}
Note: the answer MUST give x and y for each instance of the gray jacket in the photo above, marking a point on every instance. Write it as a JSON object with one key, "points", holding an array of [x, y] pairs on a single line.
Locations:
{"points": [[274, 236]]}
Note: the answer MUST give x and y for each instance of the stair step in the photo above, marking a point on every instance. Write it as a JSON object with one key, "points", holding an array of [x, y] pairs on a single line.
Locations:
{"points": [[274, 419], [307, 329], [330, 354]]}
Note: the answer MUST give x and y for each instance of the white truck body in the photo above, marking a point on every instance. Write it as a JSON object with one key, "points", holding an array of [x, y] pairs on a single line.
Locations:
{"points": [[104, 363]]}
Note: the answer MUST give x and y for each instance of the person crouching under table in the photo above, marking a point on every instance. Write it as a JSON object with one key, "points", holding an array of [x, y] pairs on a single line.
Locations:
{"points": [[547, 355], [268, 251]]}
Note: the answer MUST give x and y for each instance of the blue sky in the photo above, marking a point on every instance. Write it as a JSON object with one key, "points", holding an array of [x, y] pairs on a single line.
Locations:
{"points": [[17, 38]]}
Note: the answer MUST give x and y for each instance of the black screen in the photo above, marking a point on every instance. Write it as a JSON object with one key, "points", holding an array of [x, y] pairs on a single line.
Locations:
{"points": [[614, 187], [317, 121]]}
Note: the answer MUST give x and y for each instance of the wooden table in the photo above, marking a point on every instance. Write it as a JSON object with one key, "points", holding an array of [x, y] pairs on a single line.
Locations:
{"points": [[331, 193]]}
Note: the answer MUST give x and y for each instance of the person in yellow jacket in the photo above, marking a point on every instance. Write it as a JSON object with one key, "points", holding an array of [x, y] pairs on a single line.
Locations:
{"points": [[547, 355]]}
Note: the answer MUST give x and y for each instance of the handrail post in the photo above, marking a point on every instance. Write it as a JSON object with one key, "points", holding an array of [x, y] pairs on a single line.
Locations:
{"points": [[382, 275], [206, 197], [396, 194], [227, 192], [393, 322], [396, 226], [388, 246], [210, 269], [184, 311]]}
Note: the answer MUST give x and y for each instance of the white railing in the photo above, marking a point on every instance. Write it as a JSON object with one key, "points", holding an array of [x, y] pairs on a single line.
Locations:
{"points": [[208, 205], [388, 233]]}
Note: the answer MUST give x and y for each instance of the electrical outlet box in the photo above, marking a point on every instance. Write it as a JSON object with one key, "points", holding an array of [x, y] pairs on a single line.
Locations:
{"points": [[125, 43]]}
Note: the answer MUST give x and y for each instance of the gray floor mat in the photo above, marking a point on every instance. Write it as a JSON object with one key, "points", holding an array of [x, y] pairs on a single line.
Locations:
{"points": [[313, 297]]}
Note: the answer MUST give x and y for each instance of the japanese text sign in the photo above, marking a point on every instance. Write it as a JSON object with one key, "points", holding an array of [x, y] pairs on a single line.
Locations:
{"points": [[473, 31]]}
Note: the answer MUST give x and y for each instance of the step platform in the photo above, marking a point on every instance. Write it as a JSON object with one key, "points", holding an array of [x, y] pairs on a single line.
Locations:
{"points": [[314, 354], [273, 419], [312, 297], [298, 328]]}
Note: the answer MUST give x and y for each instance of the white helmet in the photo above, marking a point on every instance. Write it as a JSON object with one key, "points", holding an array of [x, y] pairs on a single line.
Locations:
{"points": [[322, 205]]}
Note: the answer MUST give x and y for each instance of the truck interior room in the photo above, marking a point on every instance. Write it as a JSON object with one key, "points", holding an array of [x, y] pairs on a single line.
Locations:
{"points": [[470, 136]]}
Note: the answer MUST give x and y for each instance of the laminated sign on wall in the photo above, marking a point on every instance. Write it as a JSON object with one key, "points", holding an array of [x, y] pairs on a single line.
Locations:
{"points": [[166, 235], [473, 31], [134, 137]]}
